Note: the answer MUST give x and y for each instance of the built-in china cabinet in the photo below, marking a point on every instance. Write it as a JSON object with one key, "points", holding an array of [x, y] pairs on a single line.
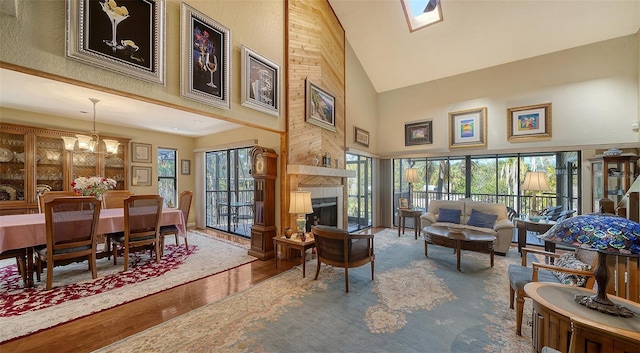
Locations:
{"points": [[612, 176], [33, 160]]}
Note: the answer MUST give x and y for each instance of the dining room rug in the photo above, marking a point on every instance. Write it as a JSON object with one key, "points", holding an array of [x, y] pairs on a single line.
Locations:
{"points": [[415, 304], [76, 294]]}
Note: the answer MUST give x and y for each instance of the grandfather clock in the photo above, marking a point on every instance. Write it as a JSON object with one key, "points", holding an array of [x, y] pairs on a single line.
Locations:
{"points": [[264, 168]]}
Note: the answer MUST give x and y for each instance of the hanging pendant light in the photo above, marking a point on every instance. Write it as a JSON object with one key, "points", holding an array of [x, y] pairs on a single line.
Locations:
{"points": [[90, 143]]}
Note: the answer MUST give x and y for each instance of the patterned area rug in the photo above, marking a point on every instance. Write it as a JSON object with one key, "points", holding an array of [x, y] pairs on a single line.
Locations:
{"points": [[415, 304], [75, 294]]}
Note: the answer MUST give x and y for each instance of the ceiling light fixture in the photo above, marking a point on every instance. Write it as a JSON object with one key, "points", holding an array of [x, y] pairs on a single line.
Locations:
{"points": [[90, 143]]}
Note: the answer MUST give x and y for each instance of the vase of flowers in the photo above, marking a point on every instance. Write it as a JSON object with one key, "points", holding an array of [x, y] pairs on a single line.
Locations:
{"points": [[93, 186]]}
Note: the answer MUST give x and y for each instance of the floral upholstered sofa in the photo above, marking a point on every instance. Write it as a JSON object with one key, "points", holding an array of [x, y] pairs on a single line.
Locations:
{"points": [[485, 217]]}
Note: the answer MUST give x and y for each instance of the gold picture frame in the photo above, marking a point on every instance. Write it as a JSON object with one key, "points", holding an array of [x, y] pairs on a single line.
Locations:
{"points": [[531, 122], [468, 128]]}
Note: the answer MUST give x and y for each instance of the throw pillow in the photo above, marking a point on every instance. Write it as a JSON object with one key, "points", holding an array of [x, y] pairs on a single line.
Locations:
{"points": [[449, 215], [481, 219], [568, 260]]}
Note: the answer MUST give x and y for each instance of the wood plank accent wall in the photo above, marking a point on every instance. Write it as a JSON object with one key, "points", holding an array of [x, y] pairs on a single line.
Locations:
{"points": [[316, 51]]}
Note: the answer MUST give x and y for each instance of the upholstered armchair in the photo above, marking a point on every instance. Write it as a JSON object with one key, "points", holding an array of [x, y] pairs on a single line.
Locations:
{"points": [[338, 248]]}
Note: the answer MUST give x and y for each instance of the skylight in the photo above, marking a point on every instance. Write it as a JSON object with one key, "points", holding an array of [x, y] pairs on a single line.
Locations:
{"points": [[421, 13]]}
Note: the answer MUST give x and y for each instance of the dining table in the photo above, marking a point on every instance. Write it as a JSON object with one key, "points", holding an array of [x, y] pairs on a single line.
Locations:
{"points": [[26, 231]]}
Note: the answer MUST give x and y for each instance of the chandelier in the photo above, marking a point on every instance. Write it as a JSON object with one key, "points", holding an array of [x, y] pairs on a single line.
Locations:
{"points": [[90, 143]]}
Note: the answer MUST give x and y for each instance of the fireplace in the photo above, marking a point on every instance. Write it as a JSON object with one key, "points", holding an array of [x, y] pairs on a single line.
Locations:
{"points": [[325, 212]]}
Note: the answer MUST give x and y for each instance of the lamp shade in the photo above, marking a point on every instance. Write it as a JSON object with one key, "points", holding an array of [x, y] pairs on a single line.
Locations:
{"points": [[69, 142], [411, 175], [300, 202], [535, 181]]}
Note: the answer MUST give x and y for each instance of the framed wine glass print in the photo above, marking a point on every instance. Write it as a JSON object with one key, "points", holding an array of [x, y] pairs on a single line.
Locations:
{"points": [[260, 83], [468, 128], [185, 167], [320, 107], [204, 59], [531, 122], [125, 36]]}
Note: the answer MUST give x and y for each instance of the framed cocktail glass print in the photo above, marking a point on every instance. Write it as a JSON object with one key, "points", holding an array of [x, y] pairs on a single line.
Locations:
{"points": [[468, 128], [260, 83], [361, 136], [403, 202], [140, 152], [531, 122], [418, 133], [320, 107], [141, 176], [204, 59], [185, 167], [123, 36]]}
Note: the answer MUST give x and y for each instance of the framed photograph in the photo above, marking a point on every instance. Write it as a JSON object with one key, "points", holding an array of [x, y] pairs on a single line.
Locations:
{"points": [[128, 39], [141, 176], [185, 167], [532, 122], [468, 128], [320, 107], [140, 152], [418, 133], [204, 74], [361, 136], [403, 202], [260, 83]]}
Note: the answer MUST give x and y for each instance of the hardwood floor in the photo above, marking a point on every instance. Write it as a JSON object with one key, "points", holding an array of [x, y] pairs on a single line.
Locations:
{"points": [[101, 329]]}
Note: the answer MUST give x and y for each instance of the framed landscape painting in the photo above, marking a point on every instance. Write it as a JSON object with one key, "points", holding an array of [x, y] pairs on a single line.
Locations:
{"points": [[126, 36], [320, 107], [418, 133], [531, 122], [205, 59], [468, 128], [260, 82]]}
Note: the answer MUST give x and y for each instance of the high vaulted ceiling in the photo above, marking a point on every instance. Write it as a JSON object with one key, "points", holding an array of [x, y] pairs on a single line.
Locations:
{"points": [[475, 34]]}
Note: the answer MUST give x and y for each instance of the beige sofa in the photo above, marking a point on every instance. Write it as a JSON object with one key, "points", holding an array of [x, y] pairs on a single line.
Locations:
{"points": [[502, 228]]}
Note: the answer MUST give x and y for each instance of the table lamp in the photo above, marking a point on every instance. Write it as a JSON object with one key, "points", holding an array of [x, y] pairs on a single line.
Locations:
{"points": [[534, 182], [300, 204], [411, 176], [606, 234]]}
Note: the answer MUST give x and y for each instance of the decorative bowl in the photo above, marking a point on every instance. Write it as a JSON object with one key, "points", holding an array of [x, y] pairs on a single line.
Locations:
{"points": [[535, 218], [612, 152], [455, 229]]}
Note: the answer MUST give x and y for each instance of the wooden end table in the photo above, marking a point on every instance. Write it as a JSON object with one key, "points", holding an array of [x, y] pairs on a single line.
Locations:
{"points": [[294, 243], [525, 224], [403, 214], [467, 240]]}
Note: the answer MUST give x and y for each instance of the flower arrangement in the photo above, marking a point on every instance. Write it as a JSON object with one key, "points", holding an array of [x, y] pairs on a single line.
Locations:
{"points": [[93, 186]]}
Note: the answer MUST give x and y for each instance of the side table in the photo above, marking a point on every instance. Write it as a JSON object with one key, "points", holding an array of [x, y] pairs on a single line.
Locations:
{"points": [[525, 224], [294, 243], [403, 214]]}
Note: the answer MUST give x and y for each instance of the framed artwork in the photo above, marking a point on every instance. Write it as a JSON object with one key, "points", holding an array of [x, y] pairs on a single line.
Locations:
{"points": [[361, 136], [128, 39], [418, 133], [260, 83], [532, 122], [403, 202], [141, 176], [185, 167], [140, 152], [468, 128], [205, 58], [320, 107]]}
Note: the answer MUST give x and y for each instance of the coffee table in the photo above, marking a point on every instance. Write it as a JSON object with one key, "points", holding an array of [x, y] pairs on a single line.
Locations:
{"points": [[466, 240]]}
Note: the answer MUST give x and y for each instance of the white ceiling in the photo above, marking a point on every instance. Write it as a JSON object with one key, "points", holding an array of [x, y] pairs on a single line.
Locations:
{"points": [[475, 34]]}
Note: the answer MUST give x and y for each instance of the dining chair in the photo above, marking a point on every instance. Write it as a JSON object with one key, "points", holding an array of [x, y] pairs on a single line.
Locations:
{"points": [[50, 195], [141, 227], [21, 257], [115, 198], [336, 247], [71, 224], [184, 205]]}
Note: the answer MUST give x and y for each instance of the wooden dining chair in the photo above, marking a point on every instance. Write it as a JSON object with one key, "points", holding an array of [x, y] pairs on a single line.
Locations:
{"points": [[115, 198], [184, 205], [141, 227], [21, 259], [50, 195], [71, 224]]}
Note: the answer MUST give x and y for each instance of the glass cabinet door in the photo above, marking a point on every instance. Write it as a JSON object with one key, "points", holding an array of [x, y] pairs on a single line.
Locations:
{"points": [[49, 160], [114, 167], [12, 166], [84, 164], [598, 182]]}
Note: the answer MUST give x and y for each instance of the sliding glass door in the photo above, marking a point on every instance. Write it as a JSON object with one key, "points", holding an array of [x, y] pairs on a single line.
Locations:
{"points": [[359, 208]]}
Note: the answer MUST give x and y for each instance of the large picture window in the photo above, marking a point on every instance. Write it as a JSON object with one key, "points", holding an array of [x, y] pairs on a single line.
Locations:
{"points": [[167, 176]]}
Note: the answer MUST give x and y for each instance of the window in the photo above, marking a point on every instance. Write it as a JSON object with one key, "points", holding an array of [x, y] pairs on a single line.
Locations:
{"points": [[360, 190], [167, 175]]}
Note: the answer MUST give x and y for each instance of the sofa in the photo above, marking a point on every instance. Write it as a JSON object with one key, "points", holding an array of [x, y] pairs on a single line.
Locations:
{"points": [[460, 212]]}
